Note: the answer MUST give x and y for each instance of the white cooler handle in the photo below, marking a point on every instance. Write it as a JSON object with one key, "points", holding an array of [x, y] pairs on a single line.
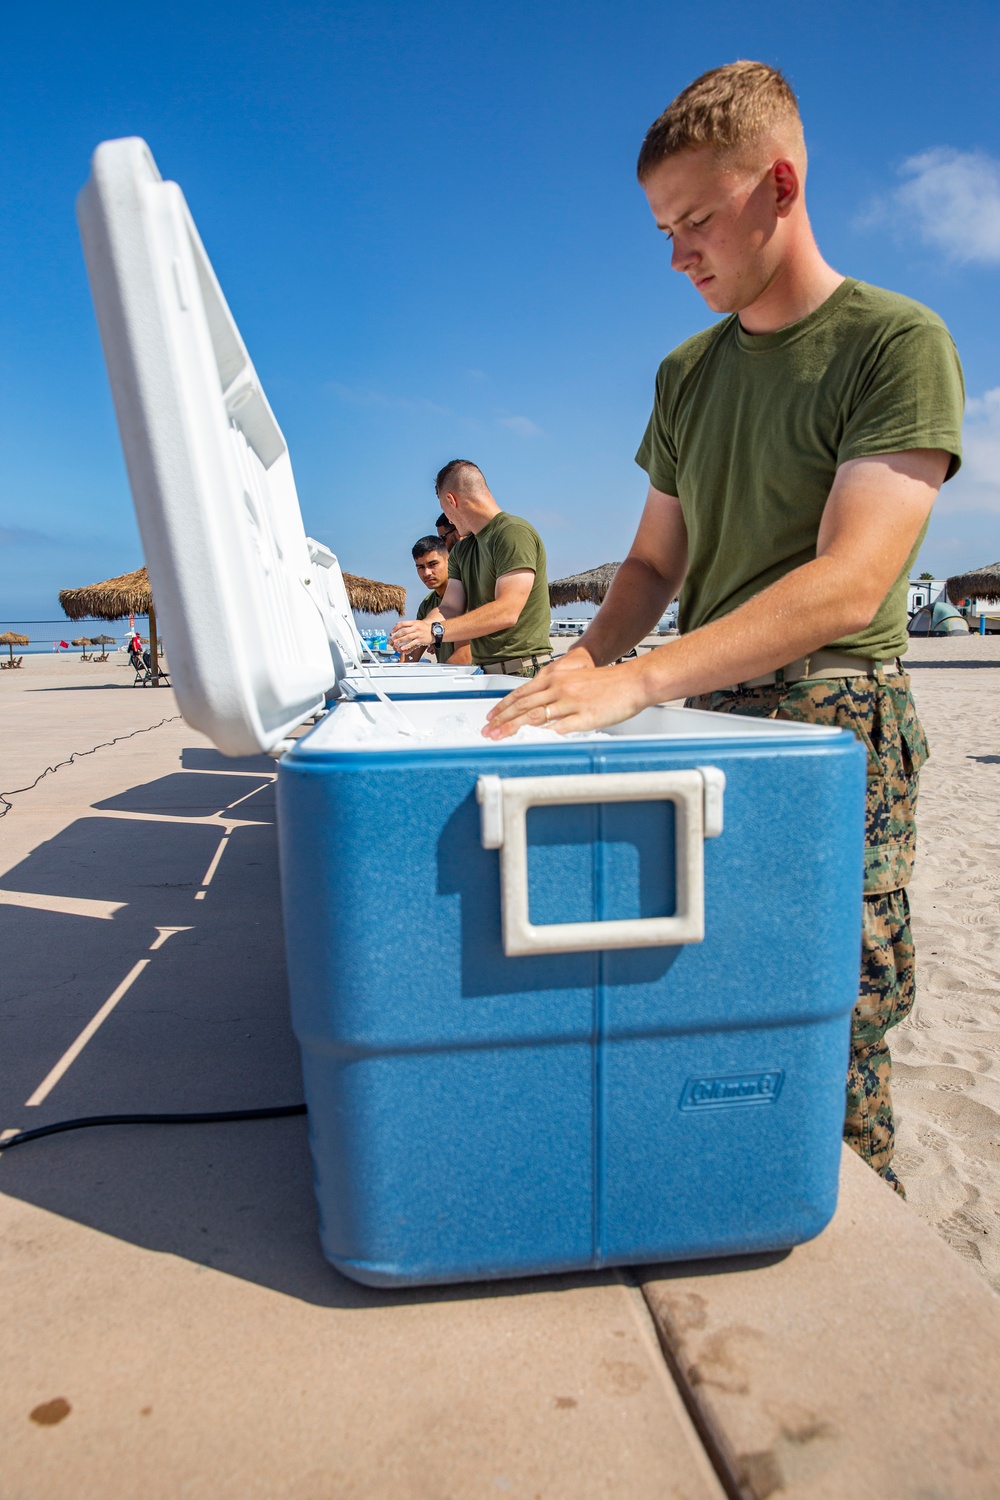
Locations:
{"points": [[504, 803]]}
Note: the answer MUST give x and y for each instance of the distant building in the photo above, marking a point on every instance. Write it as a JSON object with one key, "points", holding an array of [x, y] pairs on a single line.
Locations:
{"points": [[922, 591]]}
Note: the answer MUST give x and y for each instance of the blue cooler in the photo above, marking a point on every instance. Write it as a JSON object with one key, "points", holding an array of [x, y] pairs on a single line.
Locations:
{"points": [[602, 1016], [600, 1011]]}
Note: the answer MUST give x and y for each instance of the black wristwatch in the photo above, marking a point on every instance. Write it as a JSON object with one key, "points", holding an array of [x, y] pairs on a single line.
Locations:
{"points": [[437, 631]]}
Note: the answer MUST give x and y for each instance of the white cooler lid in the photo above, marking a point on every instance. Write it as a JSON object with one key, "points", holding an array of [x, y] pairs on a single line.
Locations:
{"points": [[254, 642], [346, 646]]}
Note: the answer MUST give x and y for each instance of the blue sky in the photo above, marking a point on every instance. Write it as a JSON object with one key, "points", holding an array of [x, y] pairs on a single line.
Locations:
{"points": [[426, 221]]}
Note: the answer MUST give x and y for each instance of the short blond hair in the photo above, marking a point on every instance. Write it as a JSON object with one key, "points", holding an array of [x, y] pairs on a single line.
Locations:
{"points": [[729, 109]]}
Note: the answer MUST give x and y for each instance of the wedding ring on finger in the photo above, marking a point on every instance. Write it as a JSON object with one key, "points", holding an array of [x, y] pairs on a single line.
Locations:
{"points": [[548, 714]]}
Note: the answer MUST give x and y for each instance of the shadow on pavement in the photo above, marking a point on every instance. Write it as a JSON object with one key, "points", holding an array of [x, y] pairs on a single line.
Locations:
{"points": [[204, 1026], [203, 758], [194, 795]]}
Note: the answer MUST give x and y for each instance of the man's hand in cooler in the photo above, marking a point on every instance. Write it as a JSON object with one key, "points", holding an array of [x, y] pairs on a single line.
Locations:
{"points": [[566, 697], [409, 634]]}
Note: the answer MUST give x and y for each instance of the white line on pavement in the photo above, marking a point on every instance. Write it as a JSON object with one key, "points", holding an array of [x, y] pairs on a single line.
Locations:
{"points": [[164, 933], [247, 795], [72, 1052], [210, 872], [69, 906], [212, 819]]}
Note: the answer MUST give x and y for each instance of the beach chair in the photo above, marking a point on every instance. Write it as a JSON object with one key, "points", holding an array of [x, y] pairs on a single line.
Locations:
{"points": [[143, 673]]}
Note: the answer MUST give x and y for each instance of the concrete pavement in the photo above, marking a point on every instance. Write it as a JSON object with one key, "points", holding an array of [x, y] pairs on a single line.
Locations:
{"points": [[165, 1296], [170, 1326]]}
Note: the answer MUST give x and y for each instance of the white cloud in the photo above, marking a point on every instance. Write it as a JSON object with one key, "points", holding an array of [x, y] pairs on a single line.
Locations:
{"points": [[976, 487], [369, 396], [952, 199], [982, 439], [524, 426]]}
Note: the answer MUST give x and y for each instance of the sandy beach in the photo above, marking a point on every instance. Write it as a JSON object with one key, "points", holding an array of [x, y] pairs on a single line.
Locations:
{"points": [[947, 1055]]}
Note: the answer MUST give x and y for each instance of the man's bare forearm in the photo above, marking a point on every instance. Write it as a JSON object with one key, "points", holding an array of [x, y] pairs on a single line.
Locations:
{"points": [[799, 614], [498, 614], [635, 603], [459, 644]]}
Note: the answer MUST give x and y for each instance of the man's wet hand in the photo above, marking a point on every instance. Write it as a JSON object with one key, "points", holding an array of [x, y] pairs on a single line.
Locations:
{"points": [[409, 634], [566, 700]]}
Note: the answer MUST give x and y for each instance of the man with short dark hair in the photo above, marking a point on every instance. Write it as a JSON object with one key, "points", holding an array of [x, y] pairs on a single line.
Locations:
{"points": [[497, 582], [430, 554], [446, 530], [794, 451]]}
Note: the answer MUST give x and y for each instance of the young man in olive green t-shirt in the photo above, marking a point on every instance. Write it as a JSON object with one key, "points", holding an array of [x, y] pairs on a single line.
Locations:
{"points": [[497, 582], [430, 554], [794, 452]]}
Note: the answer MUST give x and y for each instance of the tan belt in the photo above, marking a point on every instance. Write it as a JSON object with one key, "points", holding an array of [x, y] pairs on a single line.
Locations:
{"points": [[822, 664], [515, 665]]}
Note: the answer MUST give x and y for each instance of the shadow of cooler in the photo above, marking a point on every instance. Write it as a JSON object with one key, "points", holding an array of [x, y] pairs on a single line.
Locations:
{"points": [[562, 1004]]}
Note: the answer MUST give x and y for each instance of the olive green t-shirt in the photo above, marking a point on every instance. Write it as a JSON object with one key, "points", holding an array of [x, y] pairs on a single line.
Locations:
{"points": [[505, 544], [748, 431], [429, 602]]}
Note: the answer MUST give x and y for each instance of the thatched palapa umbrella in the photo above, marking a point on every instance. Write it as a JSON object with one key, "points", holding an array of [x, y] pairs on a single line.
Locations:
{"points": [[82, 641], [583, 588], [115, 599], [131, 595], [10, 639], [982, 583], [371, 598]]}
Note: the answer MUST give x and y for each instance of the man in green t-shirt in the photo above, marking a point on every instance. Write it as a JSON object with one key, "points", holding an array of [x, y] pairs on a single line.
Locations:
{"points": [[496, 582], [794, 452], [430, 554]]}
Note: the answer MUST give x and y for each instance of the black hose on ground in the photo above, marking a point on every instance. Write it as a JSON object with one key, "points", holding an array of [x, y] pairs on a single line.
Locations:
{"points": [[274, 1112]]}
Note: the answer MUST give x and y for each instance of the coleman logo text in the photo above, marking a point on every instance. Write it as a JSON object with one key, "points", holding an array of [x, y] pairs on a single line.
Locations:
{"points": [[717, 1093]]}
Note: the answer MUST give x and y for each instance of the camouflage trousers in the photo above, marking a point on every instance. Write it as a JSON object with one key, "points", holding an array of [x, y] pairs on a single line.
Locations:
{"points": [[881, 713]]}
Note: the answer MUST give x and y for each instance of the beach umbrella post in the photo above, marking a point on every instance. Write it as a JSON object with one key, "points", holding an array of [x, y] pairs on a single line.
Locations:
{"points": [[154, 655]]}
